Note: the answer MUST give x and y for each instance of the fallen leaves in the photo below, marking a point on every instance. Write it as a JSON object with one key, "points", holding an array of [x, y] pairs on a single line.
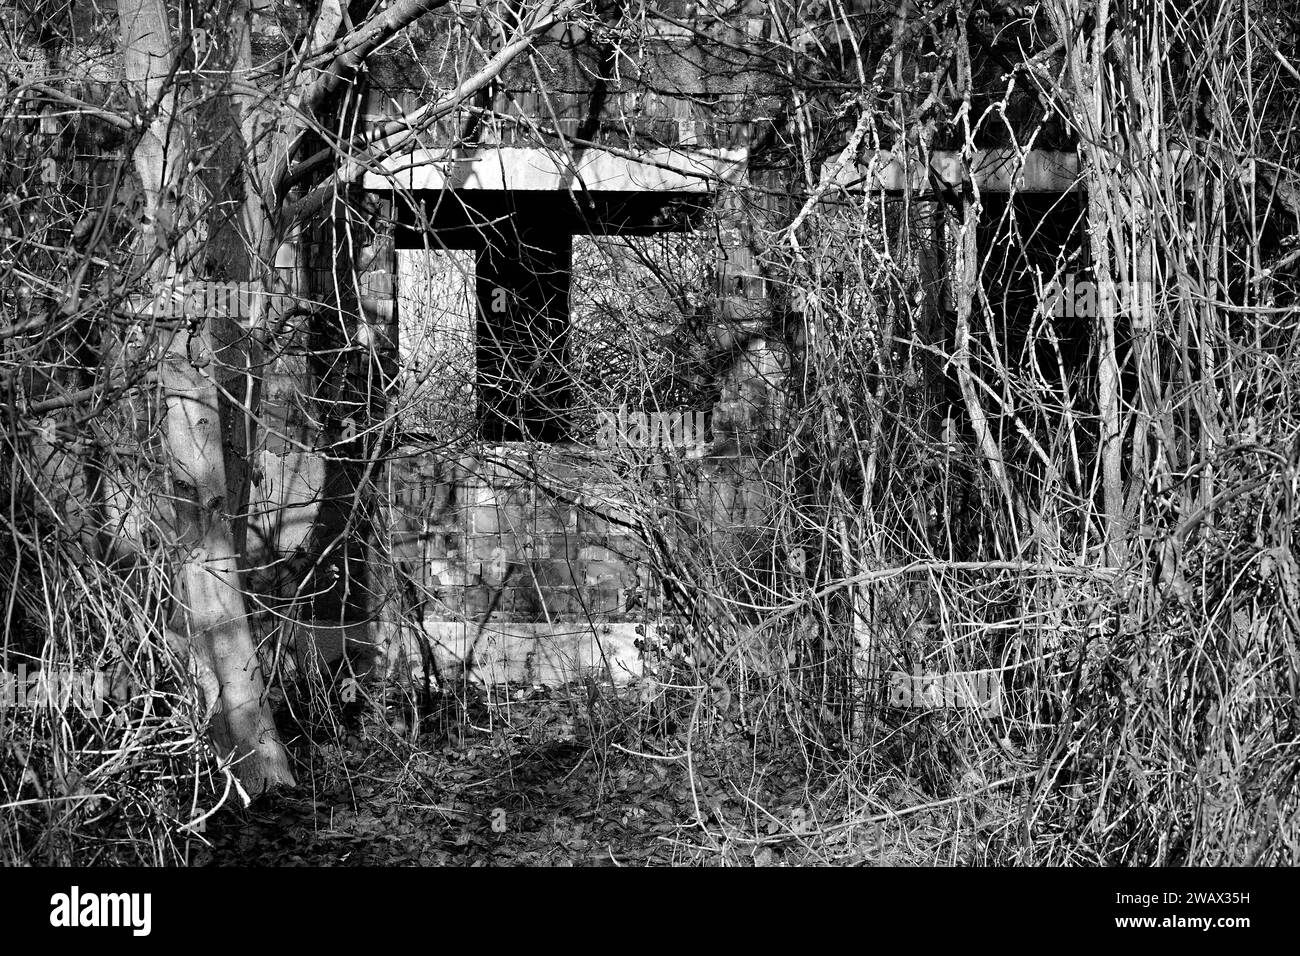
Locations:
{"points": [[531, 784]]}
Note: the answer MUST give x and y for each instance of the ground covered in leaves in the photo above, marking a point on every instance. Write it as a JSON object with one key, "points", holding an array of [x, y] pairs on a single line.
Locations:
{"points": [[565, 778]]}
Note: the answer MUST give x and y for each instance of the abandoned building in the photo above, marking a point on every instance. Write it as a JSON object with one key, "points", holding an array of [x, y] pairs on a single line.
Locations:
{"points": [[464, 469], [529, 553]]}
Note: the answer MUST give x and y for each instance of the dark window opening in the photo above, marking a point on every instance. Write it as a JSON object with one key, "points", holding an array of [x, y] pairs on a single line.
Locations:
{"points": [[521, 339], [520, 323]]}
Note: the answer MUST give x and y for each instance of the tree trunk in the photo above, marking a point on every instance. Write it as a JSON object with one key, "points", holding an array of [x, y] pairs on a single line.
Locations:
{"points": [[215, 614], [216, 622]]}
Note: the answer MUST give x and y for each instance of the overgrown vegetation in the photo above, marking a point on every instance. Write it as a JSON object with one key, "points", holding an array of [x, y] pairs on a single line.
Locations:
{"points": [[1046, 437]]}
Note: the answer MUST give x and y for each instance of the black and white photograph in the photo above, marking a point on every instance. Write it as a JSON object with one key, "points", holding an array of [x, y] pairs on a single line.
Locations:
{"points": [[650, 433]]}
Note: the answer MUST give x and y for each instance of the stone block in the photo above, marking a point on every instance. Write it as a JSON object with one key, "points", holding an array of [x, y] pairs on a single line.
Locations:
{"points": [[555, 517], [605, 599], [554, 547], [567, 604], [598, 572], [539, 653], [553, 574], [592, 524], [594, 552]]}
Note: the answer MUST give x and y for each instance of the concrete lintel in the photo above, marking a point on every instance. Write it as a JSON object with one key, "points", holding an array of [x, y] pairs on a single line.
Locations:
{"points": [[994, 171], [534, 169]]}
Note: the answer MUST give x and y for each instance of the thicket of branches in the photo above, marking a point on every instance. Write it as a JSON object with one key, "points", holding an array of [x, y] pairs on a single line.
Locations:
{"points": [[1097, 507], [1095, 504]]}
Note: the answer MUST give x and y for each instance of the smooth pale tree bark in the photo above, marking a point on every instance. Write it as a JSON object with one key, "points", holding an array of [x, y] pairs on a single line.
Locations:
{"points": [[216, 623], [215, 608]]}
